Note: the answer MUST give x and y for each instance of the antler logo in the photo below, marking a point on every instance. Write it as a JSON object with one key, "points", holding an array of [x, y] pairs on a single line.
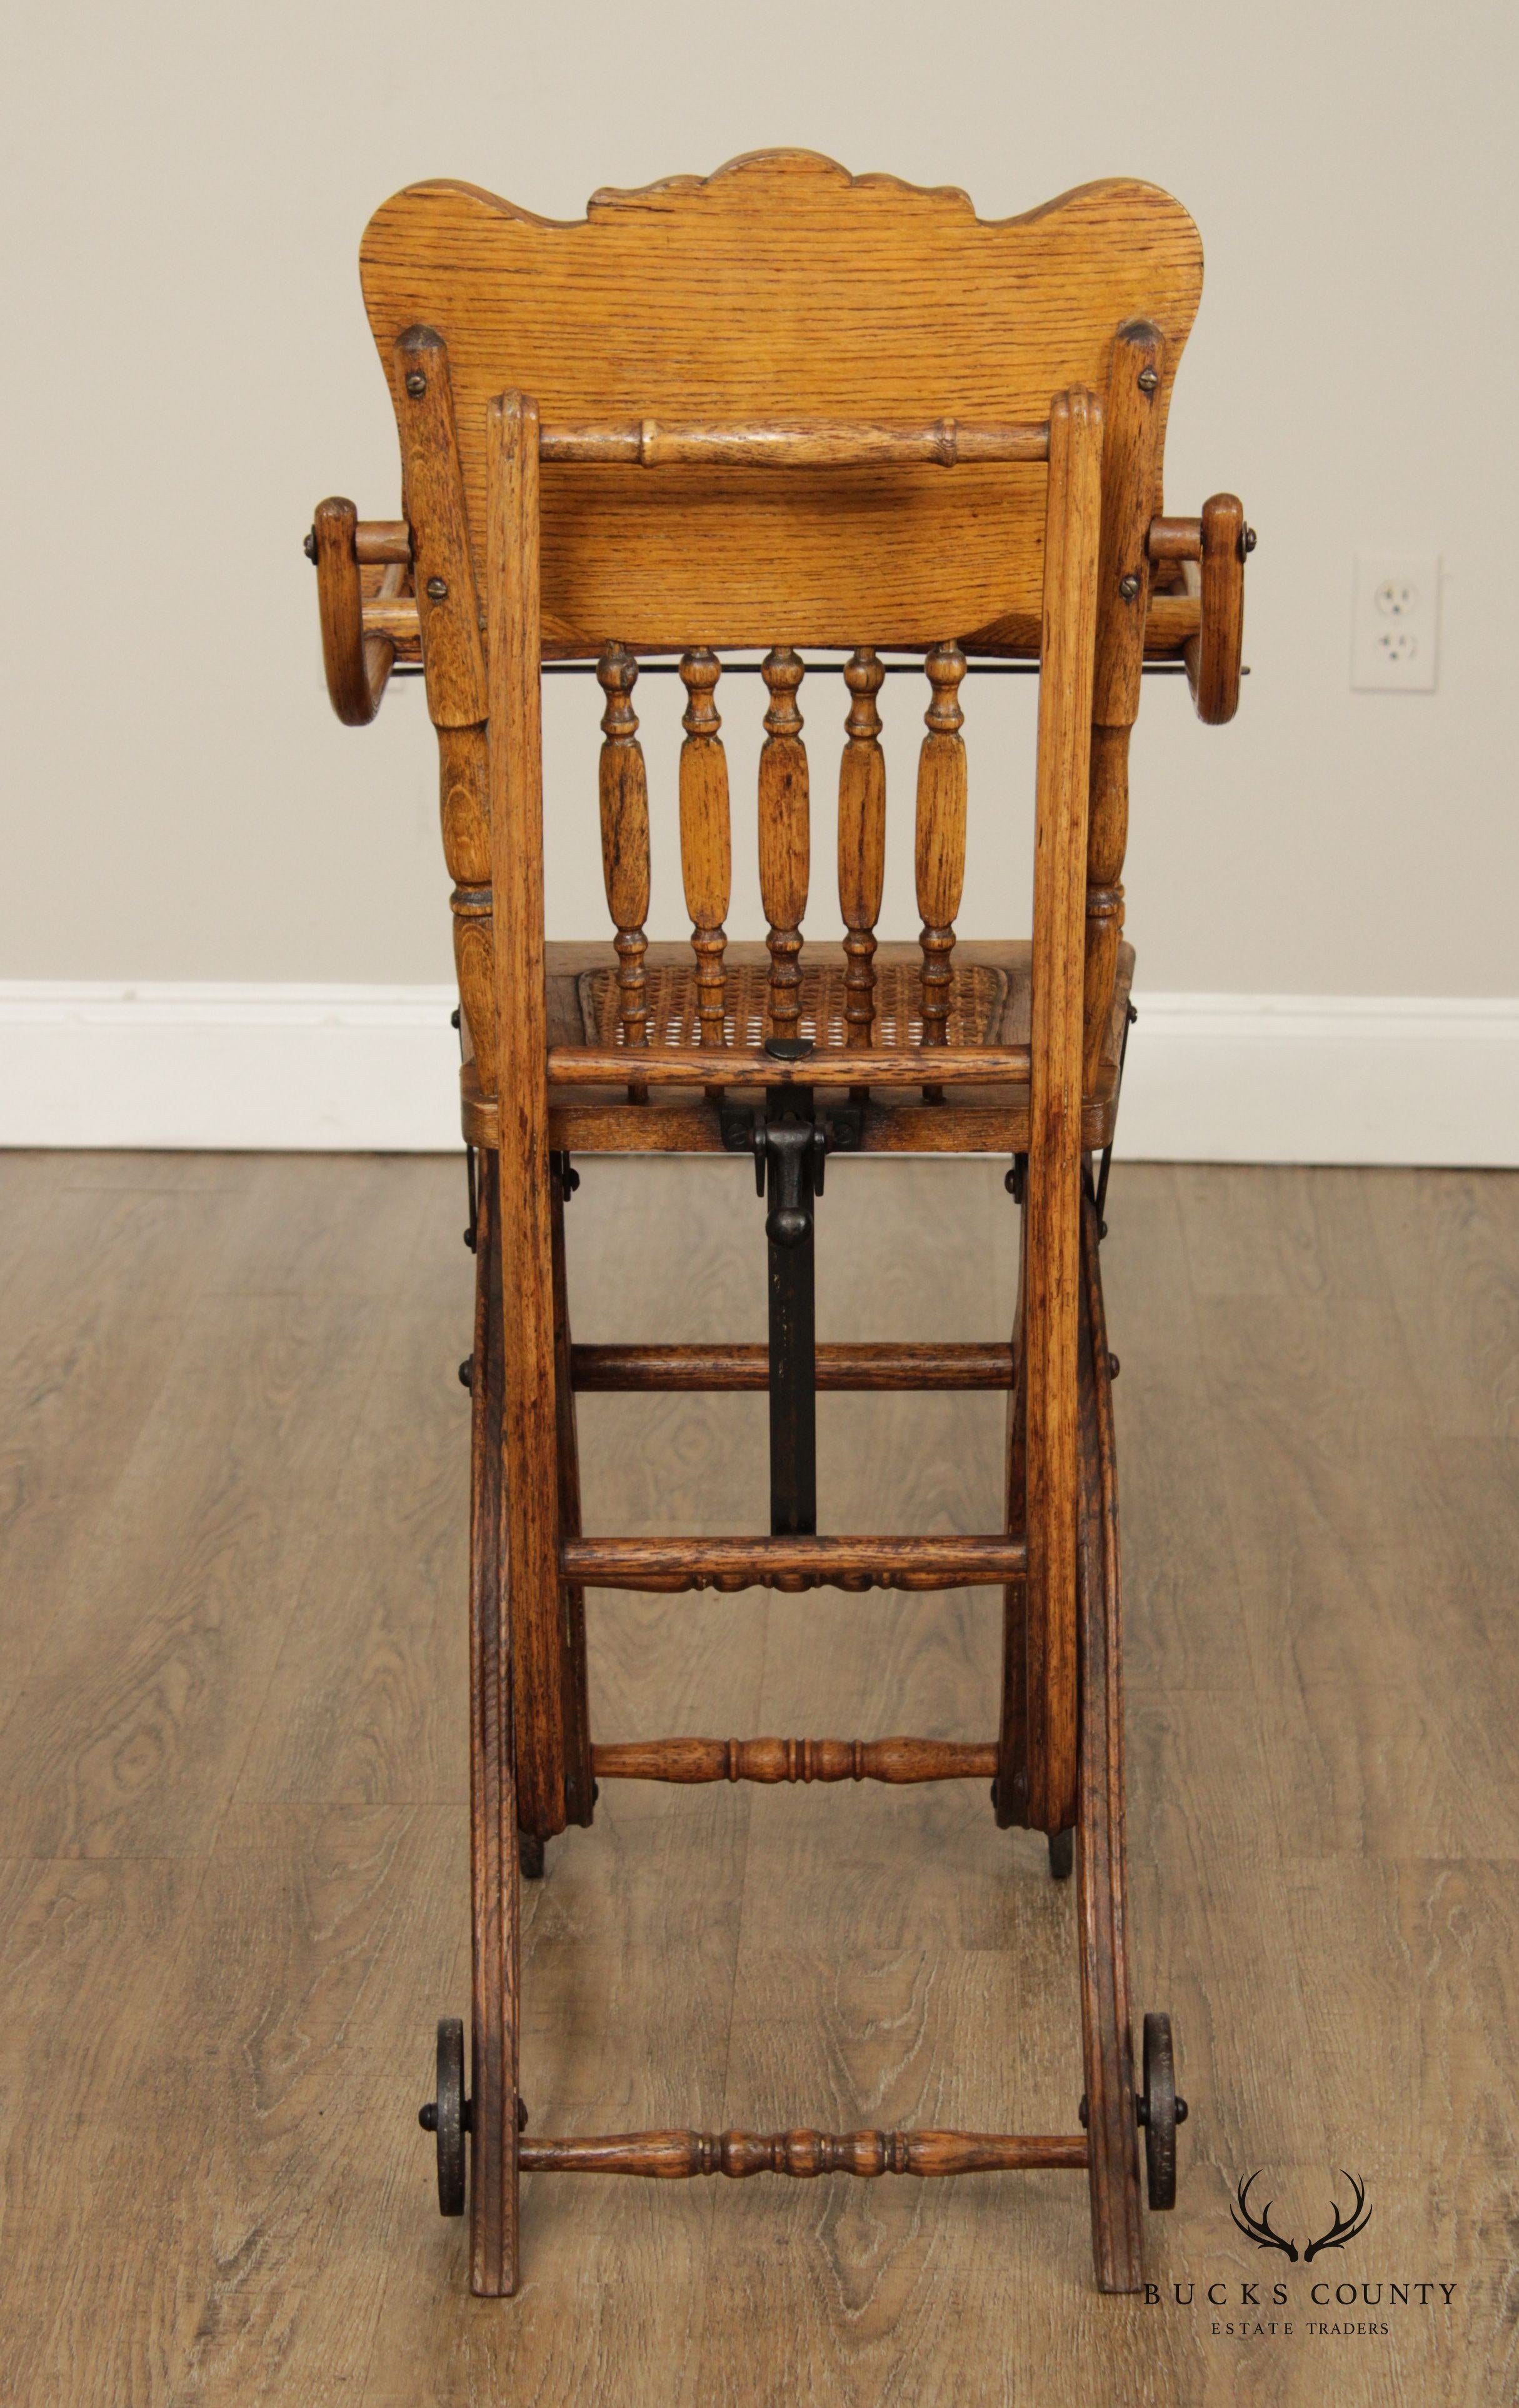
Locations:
{"points": [[1258, 2227], [1343, 2228]]}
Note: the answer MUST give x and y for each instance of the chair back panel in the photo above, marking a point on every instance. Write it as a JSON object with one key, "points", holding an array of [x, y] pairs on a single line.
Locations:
{"points": [[781, 288]]}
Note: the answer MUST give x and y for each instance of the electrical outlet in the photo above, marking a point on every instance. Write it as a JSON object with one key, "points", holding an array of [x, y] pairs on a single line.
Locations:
{"points": [[1395, 623]]}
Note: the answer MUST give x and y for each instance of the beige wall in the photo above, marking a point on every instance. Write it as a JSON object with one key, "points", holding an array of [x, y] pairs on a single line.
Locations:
{"points": [[188, 369]]}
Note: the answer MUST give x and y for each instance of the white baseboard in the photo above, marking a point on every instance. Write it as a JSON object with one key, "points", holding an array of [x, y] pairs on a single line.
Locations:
{"points": [[1211, 1078], [275, 1068], [1333, 1078]]}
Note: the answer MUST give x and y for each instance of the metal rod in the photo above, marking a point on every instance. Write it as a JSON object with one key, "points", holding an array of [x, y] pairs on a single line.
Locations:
{"points": [[892, 668], [752, 668], [789, 1147]]}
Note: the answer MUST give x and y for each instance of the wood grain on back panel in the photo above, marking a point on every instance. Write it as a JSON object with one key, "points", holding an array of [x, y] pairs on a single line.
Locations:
{"points": [[781, 288]]}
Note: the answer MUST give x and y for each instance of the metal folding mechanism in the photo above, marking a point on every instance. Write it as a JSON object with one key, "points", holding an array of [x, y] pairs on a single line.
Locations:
{"points": [[791, 1136]]}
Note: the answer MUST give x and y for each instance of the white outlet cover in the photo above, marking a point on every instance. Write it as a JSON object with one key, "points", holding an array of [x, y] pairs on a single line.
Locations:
{"points": [[1395, 623]]}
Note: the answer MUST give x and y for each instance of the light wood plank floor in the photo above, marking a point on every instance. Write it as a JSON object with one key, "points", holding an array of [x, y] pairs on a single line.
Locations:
{"points": [[233, 1819]]}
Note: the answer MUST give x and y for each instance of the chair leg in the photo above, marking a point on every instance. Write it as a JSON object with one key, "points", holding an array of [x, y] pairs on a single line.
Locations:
{"points": [[492, 2190], [530, 1444], [580, 1789], [1010, 1790], [1113, 2131], [531, 1457]]}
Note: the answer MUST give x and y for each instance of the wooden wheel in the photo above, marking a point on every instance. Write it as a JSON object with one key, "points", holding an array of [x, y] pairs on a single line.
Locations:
{"points": [[447, 2116], [1160, 2112]]}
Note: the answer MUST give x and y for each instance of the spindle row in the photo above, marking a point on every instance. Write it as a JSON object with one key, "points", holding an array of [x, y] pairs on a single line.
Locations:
{"points": [[785, 842]]}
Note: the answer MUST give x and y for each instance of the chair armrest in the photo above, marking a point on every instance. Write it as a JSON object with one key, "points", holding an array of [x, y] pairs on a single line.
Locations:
{"points": [[1213, 551], [358, 663]]}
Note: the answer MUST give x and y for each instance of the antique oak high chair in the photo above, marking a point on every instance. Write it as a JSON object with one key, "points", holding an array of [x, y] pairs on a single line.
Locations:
{"points": [[783, 408]]}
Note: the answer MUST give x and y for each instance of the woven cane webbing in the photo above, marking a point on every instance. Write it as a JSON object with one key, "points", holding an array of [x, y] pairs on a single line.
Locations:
{"points": [[978, 998]]}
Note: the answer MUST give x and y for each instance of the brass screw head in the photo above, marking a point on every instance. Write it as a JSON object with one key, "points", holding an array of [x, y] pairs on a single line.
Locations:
{"points": [[437, 590], [416, 384], [1247, 542], [1148, 380], [1129, 587]]}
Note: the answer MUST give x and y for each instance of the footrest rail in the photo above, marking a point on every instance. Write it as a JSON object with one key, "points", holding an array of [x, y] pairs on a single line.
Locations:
{"points": [[792, 1563], [676, 2157], [793, 1760], [707, 1369]]}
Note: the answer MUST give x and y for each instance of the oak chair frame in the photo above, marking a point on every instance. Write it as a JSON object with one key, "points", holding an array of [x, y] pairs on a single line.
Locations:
{"points": [[457, 585]]}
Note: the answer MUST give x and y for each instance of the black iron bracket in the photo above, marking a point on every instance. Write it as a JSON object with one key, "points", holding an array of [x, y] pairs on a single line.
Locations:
{"points": [[790, 1139], [1106, 1158], [840, 1116], [472, 1182]]}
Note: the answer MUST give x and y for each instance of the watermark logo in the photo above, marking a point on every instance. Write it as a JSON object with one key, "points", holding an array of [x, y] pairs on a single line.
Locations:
{"points": [[1309, 2302], [1341, 2227]]}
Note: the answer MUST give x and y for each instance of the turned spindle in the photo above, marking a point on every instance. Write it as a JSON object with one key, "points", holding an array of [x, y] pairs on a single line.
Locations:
{"points": [[434, 538], [463, 794], [679, 2155], [785, 839], [1106, 840], [862, 840], [624, 843], [706, 846], [942, 833]]}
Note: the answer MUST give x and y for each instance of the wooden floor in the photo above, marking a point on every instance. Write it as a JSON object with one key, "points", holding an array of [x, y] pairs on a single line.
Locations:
{"points": [[232, 1820]]}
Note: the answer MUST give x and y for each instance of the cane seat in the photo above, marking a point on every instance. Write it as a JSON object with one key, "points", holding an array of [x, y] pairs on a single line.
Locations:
{"points": [[990, 1004], [978, 1004]]}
